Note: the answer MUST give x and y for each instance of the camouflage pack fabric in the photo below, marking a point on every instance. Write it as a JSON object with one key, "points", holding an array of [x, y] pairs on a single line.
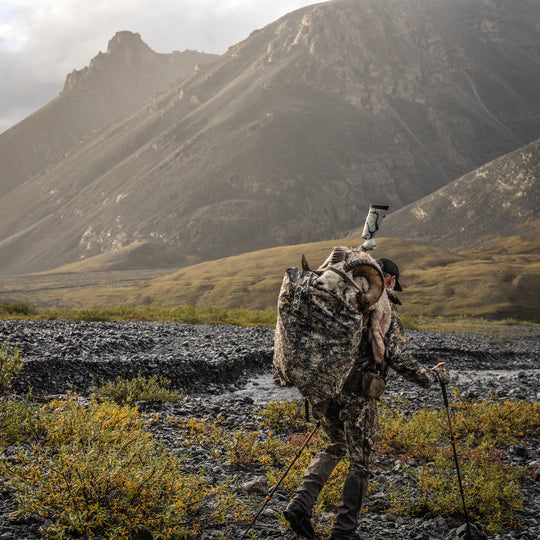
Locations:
{"points": [[317, 338]]}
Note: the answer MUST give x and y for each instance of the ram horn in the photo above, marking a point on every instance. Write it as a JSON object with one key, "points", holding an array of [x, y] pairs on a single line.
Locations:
{"points": [[337, 255], [371, 271]]}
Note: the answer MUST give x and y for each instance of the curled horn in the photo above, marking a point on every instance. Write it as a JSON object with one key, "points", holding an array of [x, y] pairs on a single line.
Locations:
{"points": [[372, 273], [338, 254], [351, 265]]}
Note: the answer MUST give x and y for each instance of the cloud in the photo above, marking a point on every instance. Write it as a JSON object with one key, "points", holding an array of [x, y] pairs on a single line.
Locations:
{"points": [[42, 41]]}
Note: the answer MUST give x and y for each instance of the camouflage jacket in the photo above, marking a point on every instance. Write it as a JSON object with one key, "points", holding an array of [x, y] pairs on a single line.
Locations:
{"points": [[395, 354], [399, 359]]}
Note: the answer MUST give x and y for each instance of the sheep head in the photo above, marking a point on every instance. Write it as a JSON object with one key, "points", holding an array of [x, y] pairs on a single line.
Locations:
{"points": [[360, 267]]}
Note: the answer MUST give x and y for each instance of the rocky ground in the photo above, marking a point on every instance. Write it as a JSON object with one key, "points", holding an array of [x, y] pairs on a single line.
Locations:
{"points": [[224, 370]]}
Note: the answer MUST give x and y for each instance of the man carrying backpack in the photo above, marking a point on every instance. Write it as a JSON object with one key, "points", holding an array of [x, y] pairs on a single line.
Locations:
{"points": [[349, 424]]}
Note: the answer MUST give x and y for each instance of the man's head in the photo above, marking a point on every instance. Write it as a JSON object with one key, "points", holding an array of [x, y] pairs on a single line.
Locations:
{"points": [[390, 272]]}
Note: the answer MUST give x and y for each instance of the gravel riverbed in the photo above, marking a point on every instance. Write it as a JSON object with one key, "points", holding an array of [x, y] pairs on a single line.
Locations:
{"points": [[225, 370]]}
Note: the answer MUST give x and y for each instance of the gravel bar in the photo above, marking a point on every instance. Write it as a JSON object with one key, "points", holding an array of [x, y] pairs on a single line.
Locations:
{"points": [[225, 371]]}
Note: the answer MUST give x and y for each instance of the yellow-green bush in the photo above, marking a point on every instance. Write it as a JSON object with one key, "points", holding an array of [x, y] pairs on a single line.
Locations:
{"points": [[18, 417], [495, 423], [16, 310], [416, 435], [283, 415], [410, 323], [185, 314], [493, 492], [19, 420], [153, 389], [96, 471], [492, 489], [202, 432], [247, 448], [10, 367]]}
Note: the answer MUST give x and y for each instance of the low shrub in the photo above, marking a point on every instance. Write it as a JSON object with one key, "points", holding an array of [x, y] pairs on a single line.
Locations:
{"points": [[410, 323], [481, 427], [492, 489], [96, 471], [283, 416], [16, 309], [415, 435], [187, 314], [201, 432], [19, 420], [10, 366], [495, 424], [153, 389]]}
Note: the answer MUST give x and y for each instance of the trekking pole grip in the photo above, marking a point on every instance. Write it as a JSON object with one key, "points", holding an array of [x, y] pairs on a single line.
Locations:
{"points": [[443, 384]]}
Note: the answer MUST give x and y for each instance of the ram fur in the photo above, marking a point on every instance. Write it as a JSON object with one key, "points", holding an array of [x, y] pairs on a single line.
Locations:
{"points": [[369, 295]]}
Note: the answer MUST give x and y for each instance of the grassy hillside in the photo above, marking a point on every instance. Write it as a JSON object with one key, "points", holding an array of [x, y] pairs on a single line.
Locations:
{"points": [[253, 280], [502, 280]]}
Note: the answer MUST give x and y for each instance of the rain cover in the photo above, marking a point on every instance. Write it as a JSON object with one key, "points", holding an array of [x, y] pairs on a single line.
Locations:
{"points": [[317, 338]]}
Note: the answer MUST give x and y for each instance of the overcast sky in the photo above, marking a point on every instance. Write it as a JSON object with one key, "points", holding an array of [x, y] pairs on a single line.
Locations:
{"points": [[41, 41]]}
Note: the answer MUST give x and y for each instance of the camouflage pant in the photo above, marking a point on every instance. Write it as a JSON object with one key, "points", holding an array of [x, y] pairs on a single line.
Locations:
{"points": [[350, 425]]}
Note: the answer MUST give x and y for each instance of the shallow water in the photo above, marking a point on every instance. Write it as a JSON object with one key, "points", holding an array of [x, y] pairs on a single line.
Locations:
{"points": [[262, 389]]}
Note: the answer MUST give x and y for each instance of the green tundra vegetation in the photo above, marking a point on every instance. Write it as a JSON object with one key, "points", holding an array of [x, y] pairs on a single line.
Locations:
{"points": [[184, 314], [189, 314], [97, 467]]}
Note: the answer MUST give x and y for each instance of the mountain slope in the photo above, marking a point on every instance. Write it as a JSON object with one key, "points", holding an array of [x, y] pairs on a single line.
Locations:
{"points": [[489, 202], [292, 133], [113, 83]]}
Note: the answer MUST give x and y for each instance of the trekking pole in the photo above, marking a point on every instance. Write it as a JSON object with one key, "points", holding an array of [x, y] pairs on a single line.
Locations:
{"points": [[271, 494], [453, 443]]}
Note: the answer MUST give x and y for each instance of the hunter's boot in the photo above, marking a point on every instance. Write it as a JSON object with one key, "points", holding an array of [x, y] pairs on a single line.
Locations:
{"points": [[354, 492], [298, 512]]}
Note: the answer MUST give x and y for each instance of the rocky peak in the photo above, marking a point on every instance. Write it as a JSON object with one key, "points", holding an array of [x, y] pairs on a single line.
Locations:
{"points": [[126, 42], [492, 201], [125, 51]]}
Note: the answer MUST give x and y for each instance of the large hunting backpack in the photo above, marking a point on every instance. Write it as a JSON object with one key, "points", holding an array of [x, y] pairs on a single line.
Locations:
{"points": [[317, 338]]}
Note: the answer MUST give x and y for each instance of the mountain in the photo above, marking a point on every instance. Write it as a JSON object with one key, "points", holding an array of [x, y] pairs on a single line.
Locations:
{"points": [[486, 204], [289, 136], [114, 83]]}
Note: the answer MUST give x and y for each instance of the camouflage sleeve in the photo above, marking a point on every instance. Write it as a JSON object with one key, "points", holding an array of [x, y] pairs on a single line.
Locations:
{"points": [[400, 360]]}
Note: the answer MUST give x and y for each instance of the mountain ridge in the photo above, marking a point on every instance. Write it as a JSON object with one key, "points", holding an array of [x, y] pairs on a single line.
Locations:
{"points": [[288, 136], [505, 191], [113, 83]]}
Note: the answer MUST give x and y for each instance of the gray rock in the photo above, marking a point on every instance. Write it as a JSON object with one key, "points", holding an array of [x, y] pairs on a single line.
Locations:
{"points": [[257, 486]]}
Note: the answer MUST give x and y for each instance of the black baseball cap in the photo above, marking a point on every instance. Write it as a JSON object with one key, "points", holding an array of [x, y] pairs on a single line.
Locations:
{"points": [[391, 268]]}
